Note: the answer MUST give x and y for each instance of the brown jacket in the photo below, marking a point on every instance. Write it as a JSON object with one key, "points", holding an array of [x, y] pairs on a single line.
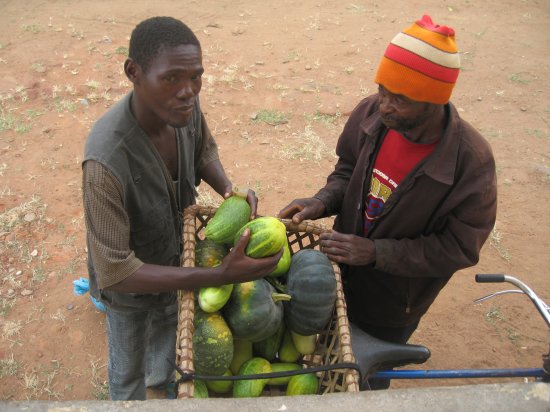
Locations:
{"points": [[434, 223]]}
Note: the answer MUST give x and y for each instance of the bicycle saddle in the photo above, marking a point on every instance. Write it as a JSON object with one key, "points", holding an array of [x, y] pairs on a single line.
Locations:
{"points": [[372, 354]]}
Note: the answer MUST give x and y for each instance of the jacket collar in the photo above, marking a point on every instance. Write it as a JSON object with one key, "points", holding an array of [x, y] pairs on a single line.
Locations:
{"points": [[442, 163]]}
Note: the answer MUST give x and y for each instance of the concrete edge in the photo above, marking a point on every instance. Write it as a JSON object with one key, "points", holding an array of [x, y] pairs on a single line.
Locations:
{"points": [[532, 397]]}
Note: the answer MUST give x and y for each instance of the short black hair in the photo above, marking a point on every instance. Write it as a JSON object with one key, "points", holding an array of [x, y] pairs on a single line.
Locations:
{"points": [[155, 34]]}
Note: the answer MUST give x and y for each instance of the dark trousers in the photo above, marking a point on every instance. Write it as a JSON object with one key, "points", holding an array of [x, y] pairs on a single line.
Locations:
{"points": [[142, 351]]}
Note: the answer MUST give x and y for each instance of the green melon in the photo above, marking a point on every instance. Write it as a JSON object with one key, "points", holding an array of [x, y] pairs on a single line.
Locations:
{"points": [[200, 389], [251, 388], [220, 386], [212, 343], [232, 214], [241, 353], [282, 367], [267, 236], [306, 384], [284, 263]]}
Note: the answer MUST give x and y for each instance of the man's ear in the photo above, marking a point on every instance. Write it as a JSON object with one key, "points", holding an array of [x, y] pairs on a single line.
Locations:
{"points": [[133, 70]]}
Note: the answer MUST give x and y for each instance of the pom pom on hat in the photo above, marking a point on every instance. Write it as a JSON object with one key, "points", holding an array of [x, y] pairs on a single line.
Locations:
{"points": [[421, 63]]}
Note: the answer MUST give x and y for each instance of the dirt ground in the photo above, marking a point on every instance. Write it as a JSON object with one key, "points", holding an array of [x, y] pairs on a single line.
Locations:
{"points": [[281, 78]]}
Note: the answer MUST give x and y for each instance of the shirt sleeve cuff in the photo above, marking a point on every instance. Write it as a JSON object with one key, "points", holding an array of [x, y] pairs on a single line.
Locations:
{"points": [[325, 198], [128, 268], [383, 251], [208, 157]]}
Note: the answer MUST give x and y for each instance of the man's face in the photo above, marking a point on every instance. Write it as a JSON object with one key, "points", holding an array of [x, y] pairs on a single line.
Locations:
{"points": [[401, 113], [172, 83]]}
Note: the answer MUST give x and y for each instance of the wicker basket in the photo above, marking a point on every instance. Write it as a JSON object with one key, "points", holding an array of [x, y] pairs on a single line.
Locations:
{"points": [[333, 345]]}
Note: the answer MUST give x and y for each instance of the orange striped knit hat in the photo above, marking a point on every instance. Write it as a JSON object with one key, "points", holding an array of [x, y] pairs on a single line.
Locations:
{"points": [[421, 63]]}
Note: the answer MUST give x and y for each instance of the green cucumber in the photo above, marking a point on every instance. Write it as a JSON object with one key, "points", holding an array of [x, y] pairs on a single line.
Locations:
{"points": [[200, 390], [251, 388], [220, 386], [282, 367], [213, 298], [287, 351], [232, 214], [242, 351], [304, 344], [305, 384]]}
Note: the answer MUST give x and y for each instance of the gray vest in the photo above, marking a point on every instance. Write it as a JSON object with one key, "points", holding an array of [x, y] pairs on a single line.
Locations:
{"points": [[151, 199]]}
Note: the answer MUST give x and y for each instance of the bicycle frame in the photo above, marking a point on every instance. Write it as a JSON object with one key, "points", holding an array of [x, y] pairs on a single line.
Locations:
{"points": [[460, 373], [538, 373]]}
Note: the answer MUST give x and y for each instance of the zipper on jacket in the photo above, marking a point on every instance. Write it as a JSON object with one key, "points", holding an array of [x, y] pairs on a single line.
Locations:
{"points": [[408, 308]]}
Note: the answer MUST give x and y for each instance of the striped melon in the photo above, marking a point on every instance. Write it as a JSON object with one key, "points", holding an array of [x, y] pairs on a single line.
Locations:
{"points": [[212, 343], [267, 236], [232, 214]]}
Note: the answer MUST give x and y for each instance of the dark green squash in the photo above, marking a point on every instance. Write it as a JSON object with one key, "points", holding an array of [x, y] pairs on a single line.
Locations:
{"points": [[269, 347], [254, 311], [209, 253], [312, 285]]}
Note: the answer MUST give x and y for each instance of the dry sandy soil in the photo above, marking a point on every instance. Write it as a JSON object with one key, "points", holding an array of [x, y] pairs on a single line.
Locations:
{"points": [[280, 81]]}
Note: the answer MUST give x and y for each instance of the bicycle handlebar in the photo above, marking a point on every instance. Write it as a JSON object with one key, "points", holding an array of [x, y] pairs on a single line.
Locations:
{"points": [[499, 278], [489, 278]]}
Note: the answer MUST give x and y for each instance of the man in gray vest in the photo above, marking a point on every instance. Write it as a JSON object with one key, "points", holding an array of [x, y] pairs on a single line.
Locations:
{"points": [[142, 161]]}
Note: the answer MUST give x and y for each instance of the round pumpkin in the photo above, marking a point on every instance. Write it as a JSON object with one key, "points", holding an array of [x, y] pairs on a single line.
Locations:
{"points": [[269, 347], [254, 311], [312, 286], [209, 253]]}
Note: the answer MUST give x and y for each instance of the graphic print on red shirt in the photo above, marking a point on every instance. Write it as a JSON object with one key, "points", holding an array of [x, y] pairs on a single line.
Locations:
{"points": [[396, 158]]}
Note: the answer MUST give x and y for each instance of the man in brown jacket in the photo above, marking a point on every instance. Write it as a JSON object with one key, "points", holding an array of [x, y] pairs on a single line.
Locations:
{"points": [[414, 188]]}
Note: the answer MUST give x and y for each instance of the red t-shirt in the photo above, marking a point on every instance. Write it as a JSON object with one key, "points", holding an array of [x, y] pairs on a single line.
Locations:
{"points": [[397, 157]]}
